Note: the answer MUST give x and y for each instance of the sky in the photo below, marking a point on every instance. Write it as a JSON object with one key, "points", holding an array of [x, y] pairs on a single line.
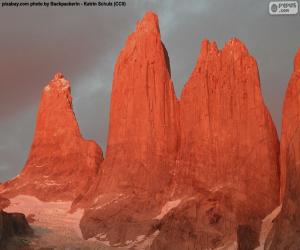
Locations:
{"points": [[84, 42]]}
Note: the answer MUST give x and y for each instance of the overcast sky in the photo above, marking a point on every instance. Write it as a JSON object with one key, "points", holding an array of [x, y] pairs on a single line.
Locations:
{"points": [[84, 42]]}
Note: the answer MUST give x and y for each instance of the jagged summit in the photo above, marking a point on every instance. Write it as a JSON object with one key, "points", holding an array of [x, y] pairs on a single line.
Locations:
{"points": [[208, 46], [58, 82], [209, 51], [149, 23], [233, 44], [58, 76], [236, 44], [223, 119]]}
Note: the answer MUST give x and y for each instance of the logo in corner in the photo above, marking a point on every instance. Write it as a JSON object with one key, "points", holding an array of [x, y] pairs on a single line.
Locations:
{"points": [[283, 7]]}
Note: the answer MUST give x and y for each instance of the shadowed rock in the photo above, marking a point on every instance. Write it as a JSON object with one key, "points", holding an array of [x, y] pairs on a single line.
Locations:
{"points": [[247, 238], [11, 225]]}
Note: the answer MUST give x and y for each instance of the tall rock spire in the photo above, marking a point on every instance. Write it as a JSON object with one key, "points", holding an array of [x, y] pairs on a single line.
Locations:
{"points": [[228, 139], [290, 120], [143, 126], [285, 233], [143, 140], [61, 164]]}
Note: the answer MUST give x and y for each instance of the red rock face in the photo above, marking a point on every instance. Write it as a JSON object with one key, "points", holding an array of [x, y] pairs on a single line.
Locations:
{"points": [[61, 164], [290, 120], [143, 127], [222, 140], [228, 139], [143, 141], [285, 233]]}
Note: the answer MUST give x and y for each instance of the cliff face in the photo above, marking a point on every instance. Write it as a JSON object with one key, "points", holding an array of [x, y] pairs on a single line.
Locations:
{"points": [[228, 139], [143, 141], [219, 148], [61, 164], [143, 126], [228, 157], [290, 120], [285, 233]]}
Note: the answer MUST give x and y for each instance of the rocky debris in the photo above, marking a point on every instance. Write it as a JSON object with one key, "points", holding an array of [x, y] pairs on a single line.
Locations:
{"points": [[200, 222], [208, 220], [120, 221], [228, 138], [12, 225], [205, 220], [266, 226], [61, 164], [285, 233]]}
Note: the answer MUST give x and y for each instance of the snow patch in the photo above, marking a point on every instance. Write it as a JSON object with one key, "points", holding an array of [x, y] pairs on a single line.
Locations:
{"points": [[267, 224], [143, 243], [101, 237], [167, 208], [114, 199], [140, 243], [63, 83], [140, 237], [97, 199], [53, 224], [128, 242], [51, 183], [47, 88], [217, 188], [39, 166]]}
